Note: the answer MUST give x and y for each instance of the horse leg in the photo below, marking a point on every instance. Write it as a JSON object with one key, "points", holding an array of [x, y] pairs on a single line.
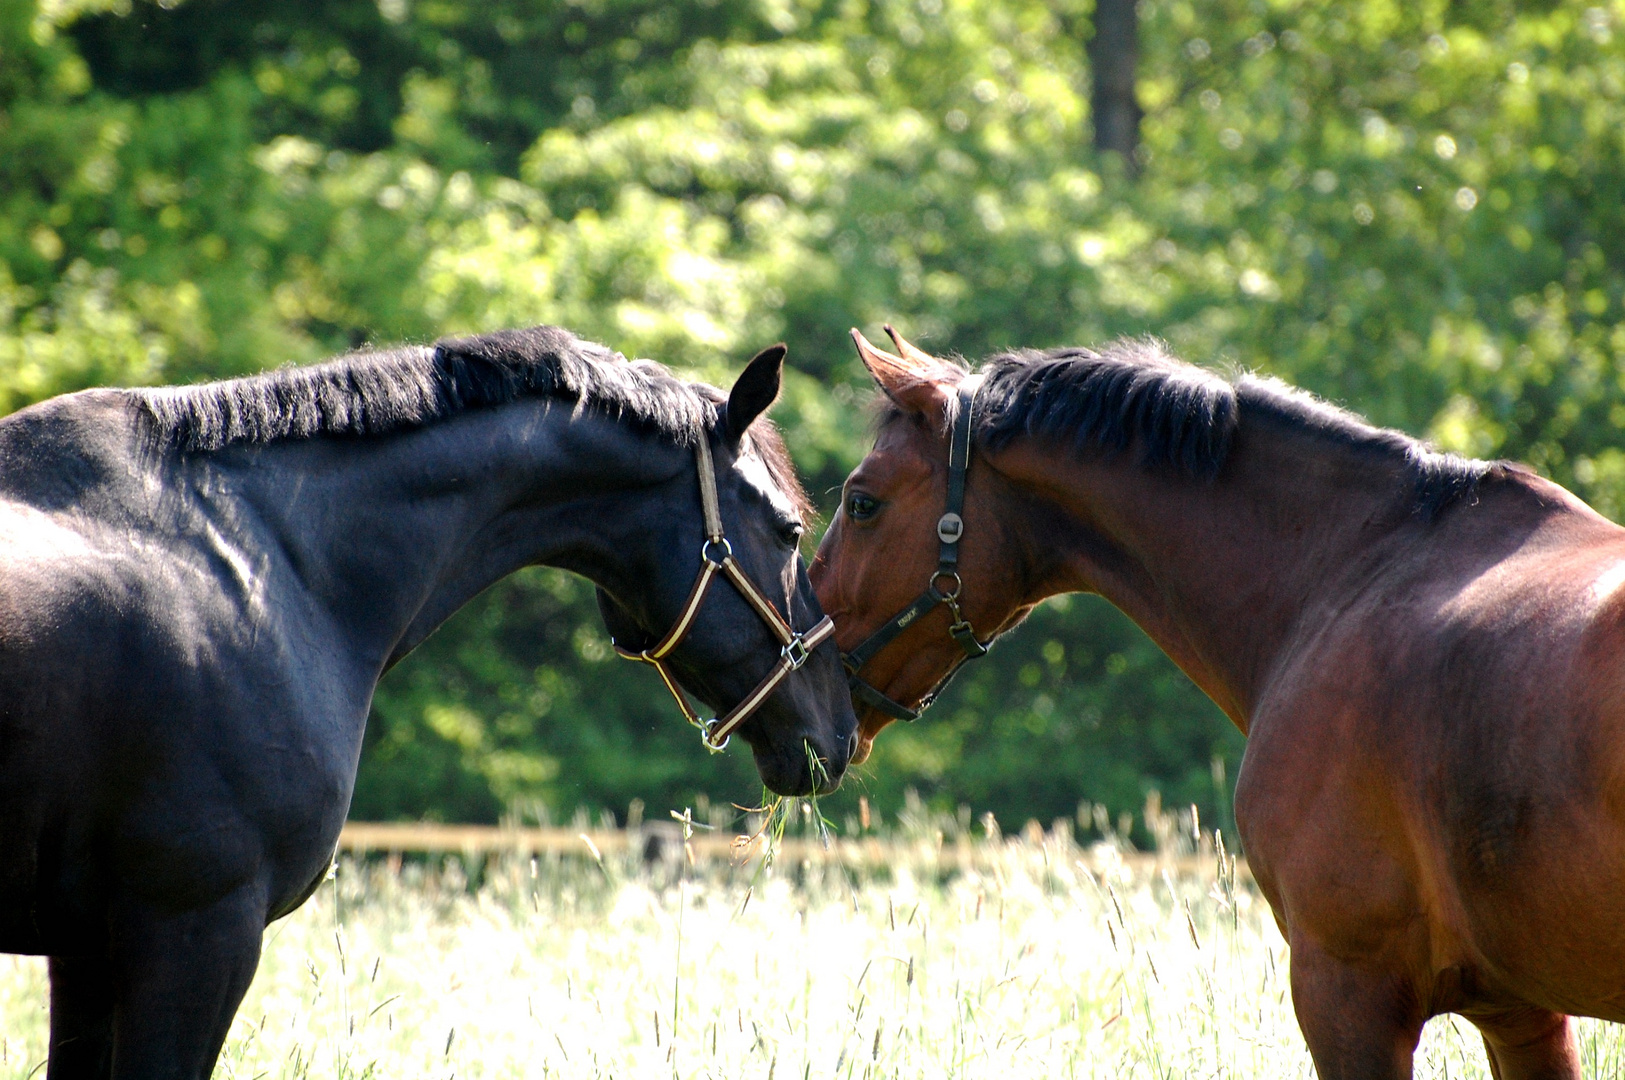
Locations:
{"points": [[1360, 1023], [179, 978], [81, 1018], [1530, 1044]]}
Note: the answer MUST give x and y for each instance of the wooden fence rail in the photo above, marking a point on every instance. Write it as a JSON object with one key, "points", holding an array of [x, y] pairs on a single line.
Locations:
{"points": [[659, 839]]}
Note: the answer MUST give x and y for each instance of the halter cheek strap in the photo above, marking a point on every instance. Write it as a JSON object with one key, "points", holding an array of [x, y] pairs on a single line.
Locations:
{"points": [[943, 588], [717, 557]]}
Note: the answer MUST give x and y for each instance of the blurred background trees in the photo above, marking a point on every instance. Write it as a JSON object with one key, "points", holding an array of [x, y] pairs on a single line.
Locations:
{"points": [[1413, 209]]}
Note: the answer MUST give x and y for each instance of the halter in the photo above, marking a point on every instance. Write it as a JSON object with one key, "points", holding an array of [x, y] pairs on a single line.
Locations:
{"points": [[716, 555], [950, 528]]}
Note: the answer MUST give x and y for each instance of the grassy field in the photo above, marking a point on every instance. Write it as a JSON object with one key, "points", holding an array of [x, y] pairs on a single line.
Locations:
{"points": [[1030, 958]]}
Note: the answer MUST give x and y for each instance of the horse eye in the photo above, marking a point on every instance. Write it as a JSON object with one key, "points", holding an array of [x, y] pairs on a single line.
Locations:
{"points": [[790, 533], [861, 507]]}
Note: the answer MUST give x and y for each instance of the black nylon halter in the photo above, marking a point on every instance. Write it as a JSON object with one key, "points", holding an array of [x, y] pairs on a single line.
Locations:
{"points": [[950, 529]]}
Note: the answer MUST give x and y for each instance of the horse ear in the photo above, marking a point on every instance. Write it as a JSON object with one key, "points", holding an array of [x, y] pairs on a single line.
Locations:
{"points": [[755, 389], [916, 381], [909, 352]]}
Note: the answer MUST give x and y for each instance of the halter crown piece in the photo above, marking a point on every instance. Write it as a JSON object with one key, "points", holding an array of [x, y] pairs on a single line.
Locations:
{"points": [[717, 556], [943, 588]]}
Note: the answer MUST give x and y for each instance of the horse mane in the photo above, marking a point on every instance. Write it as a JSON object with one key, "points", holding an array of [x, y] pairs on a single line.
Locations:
{"points": [[378, 392], [1185, 417]]}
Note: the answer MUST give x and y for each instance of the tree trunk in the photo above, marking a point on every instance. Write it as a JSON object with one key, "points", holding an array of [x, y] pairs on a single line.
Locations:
{"points": [[1114, 53]]}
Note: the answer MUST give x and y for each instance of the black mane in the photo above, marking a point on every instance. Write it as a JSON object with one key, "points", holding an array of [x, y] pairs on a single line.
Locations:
{"points": [[373, 393], [1182, 416]]}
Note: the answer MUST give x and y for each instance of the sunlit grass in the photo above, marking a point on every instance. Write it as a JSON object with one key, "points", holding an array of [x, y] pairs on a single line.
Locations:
{"points": [[1029, 957]]}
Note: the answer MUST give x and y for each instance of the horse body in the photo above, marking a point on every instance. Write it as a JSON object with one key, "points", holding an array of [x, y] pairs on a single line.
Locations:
{"points": [[1427, 705], [190, 637], [1433, 770], [1427, 656]]}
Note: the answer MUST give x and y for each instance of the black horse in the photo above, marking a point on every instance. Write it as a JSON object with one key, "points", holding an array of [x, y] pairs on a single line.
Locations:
{"points": [[200, 587]]}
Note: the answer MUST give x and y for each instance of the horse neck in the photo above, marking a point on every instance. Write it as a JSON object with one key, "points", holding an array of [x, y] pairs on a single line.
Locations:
{"points": [[392, 534], [1219, 573]]}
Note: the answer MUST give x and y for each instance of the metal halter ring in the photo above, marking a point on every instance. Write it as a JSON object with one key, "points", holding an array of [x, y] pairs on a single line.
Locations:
{"points": [[727, 550], [705, 735], [947, 595]]}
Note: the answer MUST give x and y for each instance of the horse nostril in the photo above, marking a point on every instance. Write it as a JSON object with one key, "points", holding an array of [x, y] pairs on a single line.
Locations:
{"points": [[851, 745]]}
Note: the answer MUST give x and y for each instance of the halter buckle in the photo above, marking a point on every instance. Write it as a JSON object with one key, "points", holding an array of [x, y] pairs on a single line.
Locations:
{"points": [[795, 653], [950, 527], [719, 541]]}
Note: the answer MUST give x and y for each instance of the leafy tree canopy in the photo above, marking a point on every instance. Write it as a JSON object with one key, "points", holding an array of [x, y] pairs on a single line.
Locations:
{"points": [[1411, 208]]}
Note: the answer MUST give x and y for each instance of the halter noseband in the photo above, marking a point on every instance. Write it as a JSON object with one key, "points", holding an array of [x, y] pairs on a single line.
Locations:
{"points": [[950, 528], [716, 555]]}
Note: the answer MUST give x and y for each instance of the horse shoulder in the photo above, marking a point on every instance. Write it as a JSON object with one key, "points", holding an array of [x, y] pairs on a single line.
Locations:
{"points": [[1345, 748]]}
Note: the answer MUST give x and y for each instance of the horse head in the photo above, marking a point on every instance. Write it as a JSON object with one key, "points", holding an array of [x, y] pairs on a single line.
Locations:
{"points": [[727, 610], [917, 572]]}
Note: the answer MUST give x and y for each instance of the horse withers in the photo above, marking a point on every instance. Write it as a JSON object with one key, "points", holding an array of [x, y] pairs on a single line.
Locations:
{"points": [[200, 587], [1426, 653]]}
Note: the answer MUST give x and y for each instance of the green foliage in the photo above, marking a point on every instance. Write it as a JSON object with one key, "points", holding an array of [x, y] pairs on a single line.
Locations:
{"points": [[1076, 705], [1412, 209], [521, 704]]}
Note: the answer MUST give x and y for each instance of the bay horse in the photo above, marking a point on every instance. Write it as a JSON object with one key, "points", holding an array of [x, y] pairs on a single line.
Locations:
{"points": [[200, 587], [1426, 653]]}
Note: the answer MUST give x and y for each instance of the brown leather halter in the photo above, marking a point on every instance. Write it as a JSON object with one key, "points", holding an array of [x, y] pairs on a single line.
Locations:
{"points": [[716, 556], [943, 588]]}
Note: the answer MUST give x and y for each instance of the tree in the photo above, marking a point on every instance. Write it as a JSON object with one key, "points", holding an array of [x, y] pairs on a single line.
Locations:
{"points": [[1114, 52], [1408, 207]]}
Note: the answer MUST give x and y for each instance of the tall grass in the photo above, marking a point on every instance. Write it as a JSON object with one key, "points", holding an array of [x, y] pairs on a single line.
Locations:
{"points": [[1036, 958]]}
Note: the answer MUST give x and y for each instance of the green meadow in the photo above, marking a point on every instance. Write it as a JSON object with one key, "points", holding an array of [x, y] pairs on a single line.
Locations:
{"points": [[961, 957]]}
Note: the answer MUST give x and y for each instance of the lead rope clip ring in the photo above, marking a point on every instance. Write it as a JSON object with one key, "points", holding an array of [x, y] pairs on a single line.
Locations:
{"points": [[950, 594]]}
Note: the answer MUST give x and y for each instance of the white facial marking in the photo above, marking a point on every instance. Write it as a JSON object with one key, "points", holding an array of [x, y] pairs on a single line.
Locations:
{"points": [[755, 471]]}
